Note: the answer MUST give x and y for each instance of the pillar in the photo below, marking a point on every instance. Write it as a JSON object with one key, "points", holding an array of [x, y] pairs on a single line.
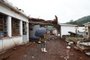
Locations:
{"points": [[9, 26], [88, 32], [27, 24], [21, 28]]}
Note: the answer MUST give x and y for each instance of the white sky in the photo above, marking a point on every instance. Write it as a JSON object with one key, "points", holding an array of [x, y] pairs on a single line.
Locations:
{"points": [[66, 10]]}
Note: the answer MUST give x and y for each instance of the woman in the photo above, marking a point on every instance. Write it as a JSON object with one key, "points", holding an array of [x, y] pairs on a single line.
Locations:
{"points": [[43, 42], [42, 33]]}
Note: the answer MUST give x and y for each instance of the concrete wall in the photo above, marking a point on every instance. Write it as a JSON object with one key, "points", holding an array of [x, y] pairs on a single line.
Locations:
{"points": [[66, 29], [10, 12], [25, 39], [7, 43], [32, 33], [89, 32]]}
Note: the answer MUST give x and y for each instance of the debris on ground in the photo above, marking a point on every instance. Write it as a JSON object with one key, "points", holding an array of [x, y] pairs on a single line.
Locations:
{"points": [[56, 51]]}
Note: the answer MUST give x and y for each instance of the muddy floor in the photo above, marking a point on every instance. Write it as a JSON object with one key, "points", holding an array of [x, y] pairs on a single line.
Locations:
{"points": [[56, 51]]}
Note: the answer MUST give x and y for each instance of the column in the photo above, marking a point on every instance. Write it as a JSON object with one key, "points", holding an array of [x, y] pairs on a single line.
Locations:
{"points": [[21, 28], [9, 26], [27, 24], [88, 32]]}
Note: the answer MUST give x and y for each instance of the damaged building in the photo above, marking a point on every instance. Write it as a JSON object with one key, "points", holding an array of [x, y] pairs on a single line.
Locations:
{"points": [[16, 27], [35, 23], [13, 26]]}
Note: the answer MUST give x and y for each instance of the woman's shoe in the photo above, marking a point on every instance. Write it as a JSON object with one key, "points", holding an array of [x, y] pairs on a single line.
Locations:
{"points": [[44, 50]]}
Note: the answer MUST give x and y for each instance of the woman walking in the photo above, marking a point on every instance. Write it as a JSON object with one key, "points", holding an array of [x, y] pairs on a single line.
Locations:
{"points": [[42, 34], [43, 42]]}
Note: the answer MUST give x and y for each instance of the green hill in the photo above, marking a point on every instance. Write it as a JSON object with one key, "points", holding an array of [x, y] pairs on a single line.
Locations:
{"points": [[80, 21]]}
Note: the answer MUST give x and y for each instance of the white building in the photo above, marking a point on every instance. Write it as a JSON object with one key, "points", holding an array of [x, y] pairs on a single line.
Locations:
{"points": [[13, 26], [65, 28], [87, 29]]}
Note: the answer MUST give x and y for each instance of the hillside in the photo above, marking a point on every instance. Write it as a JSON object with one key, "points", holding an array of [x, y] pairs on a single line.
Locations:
{"points": [[80, 21]]}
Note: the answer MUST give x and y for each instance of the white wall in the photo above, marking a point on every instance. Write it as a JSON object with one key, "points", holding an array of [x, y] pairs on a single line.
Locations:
{"points": [[7, 43], [81, 29], [10, 12], [25, 39], [66, 29], [1, 45]]}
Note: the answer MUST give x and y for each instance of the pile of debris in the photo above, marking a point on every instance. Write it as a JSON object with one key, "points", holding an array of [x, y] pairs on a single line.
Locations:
{"points": [[79, 44]]}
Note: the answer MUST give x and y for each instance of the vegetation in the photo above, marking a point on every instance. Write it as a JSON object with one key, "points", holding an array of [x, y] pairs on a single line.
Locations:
{"points": [[80, 21]]}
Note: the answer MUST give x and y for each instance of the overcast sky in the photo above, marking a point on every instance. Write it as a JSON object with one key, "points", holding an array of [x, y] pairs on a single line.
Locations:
{"points": [[66, 10]]}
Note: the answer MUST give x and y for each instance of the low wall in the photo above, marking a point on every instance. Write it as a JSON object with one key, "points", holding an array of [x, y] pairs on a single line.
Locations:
{"points": [[7, 43]]}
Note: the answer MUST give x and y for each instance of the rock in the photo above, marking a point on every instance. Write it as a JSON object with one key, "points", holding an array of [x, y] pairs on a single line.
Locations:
{"points": [[33, 57], [68, 47], [25, 55]]}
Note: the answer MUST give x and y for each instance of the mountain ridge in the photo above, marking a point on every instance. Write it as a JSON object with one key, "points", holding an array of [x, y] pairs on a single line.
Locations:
{"points": [[80, 21]]}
